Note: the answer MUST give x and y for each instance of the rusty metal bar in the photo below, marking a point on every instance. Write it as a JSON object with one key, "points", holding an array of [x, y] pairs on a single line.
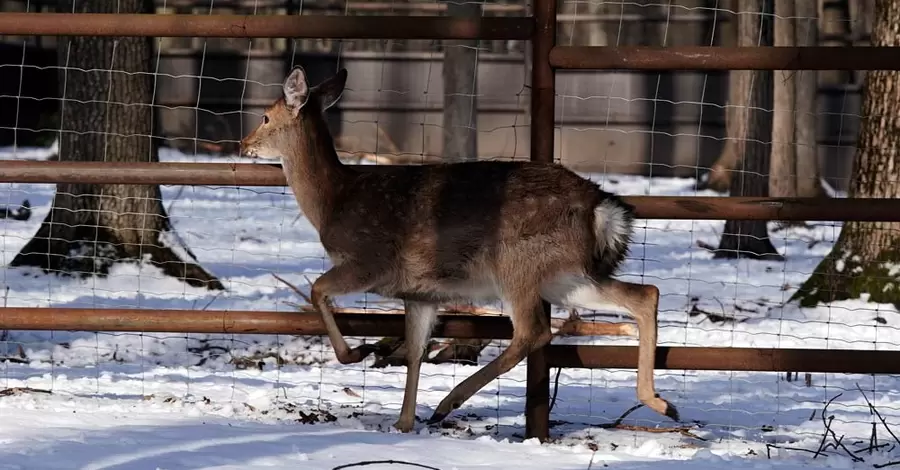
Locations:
{"points": [[543, 91], [766, 208], [647, 207], [447, 326], [730, 359], [176, 173], [240, 321], [452, 322], [264, 26], [724, 58]]}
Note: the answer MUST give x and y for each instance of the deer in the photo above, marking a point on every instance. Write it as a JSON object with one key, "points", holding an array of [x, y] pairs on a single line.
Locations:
{"points": [[518, 231]]}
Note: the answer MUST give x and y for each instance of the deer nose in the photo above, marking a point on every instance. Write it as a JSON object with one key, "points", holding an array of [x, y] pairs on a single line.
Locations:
{"points": [[245, 151]]}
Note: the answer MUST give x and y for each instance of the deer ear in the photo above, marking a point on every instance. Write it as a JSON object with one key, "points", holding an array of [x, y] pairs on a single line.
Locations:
{"points": [[296, 90], [330, 90]]}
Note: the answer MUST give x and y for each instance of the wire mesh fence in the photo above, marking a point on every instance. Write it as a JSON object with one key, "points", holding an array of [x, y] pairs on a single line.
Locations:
{"points": [[191, 100]]}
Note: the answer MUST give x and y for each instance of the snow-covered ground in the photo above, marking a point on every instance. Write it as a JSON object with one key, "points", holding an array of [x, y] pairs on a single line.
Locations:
{"points": [[172, 401]]}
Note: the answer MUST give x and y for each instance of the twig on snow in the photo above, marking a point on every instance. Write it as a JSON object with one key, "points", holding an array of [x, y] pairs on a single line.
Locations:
{"points": [[19, 390], [389, 462], [880, 418], [617, 424], [773, 446], [555, 388], [838, 442]]}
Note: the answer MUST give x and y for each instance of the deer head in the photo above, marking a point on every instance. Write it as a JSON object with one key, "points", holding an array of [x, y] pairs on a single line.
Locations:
{"points": [[297, 113]]}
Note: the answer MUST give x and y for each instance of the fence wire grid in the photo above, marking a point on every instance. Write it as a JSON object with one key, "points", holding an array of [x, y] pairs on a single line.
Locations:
{"points": [[634, 133]]}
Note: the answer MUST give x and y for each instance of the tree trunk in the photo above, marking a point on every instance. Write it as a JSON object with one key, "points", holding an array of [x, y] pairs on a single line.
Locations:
{"points": [[743, 238], [783, 164], [718, 178], [460, 91], [794, 168], [865, 256], [107, 86], [809, 175]]}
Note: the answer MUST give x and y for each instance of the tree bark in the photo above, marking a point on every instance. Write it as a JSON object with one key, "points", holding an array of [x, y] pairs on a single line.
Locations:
{"points": [[864, 258], [460, 91], [107, 86], [718, 178], [783, 164], [809, 175], [794, 168], [743, 238]]}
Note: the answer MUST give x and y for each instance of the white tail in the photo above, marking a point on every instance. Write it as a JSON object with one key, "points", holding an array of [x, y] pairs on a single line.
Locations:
{"points": [[430, 234]]}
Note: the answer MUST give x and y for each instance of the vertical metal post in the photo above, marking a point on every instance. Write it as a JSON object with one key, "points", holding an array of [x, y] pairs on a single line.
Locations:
{"points": [[543, 94]]}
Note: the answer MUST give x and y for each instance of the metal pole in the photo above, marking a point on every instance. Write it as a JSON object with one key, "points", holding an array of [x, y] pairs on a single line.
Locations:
{"points": [[449, 325], [730, 359], [242, 322], [263, 26], [647, 207], [724, 58], [543, 91]]}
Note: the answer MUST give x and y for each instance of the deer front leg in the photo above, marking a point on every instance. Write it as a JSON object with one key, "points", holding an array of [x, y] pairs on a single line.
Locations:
{"points": [[420, 318], [341, 280]]}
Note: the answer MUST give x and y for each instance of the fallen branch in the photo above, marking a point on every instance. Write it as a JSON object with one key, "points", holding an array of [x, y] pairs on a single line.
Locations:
{"points": [[880, 418], [799, 449], [20, 390], [389, 462], [617, 424]]}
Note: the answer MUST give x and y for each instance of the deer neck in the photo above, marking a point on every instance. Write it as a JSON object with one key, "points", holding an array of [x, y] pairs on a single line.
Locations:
{"points": [[314, 173]]}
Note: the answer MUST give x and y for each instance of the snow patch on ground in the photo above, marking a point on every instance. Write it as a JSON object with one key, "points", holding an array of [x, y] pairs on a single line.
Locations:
{"points": [[248, 401]]}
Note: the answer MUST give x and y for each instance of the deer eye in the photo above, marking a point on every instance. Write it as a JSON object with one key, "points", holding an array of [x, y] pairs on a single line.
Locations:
{"points": [[265, 119]]}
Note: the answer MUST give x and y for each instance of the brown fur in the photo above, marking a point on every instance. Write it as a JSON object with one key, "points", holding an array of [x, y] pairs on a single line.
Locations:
{"points": [[429, 234]]}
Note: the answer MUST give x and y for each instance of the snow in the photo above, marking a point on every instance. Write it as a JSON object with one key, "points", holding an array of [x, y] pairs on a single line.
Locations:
{"points": [[172, 401]]}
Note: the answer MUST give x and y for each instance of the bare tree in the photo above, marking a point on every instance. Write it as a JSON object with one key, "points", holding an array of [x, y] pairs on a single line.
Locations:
{"points": [[718, 178], [808, 170], [743, 238], [783, 162], [794, 166], [864, 258], [105, 116]]}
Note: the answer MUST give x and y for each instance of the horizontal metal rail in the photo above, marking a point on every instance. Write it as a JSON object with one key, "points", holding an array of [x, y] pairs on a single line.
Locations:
{"points": [[647, 207], [447, 326], [452, 323], [241, 321], [265, 26], [838, 361], [724, 58]]}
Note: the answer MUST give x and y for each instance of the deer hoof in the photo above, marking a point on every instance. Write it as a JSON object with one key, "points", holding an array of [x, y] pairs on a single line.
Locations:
{"points": [[358, 354], [672, 412], [662, 407]]}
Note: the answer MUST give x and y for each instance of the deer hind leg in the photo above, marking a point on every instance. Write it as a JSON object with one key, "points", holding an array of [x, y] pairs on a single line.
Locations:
{"points": [[531, 331], [642, 302], [341, 280], [420, 318]]}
